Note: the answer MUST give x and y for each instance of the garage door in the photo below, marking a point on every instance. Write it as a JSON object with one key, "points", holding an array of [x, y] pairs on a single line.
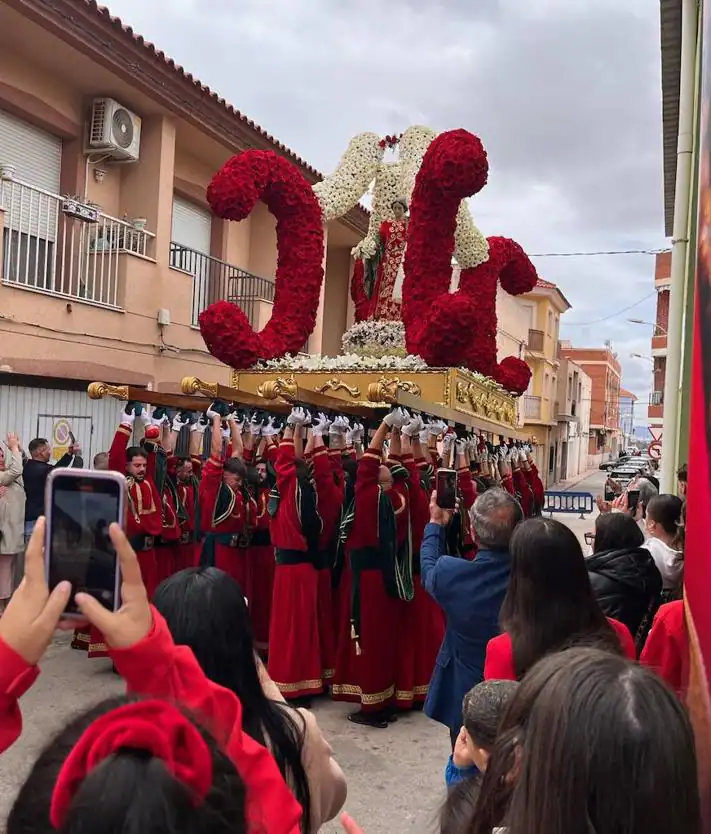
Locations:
{"points": [[32, 209], [191, 238]]}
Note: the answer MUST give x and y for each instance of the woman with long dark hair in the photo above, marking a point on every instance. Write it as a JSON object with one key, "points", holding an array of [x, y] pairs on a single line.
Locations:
{"points": [[549, 605], [205, 610], [591, 742]]}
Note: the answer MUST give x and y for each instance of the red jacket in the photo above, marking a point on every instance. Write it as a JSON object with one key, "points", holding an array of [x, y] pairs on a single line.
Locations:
{"points": [[240, 516], [330, 497], [499, 663], [157, 668], [145, 515], [667, 647], [364, 532], [186, 492], [286, 531], [535, 483], [419, 502], [523, 491]]}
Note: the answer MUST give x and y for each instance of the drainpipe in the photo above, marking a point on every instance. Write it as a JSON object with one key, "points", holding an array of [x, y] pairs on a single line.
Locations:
{"points": [[680, 240]]}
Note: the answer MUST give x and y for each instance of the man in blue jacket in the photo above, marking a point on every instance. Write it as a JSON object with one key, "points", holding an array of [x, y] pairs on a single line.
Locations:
{"points": [[470, 594]]}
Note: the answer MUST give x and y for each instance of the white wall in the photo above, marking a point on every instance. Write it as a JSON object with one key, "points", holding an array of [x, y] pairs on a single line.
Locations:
{"points": [[584, 406]]}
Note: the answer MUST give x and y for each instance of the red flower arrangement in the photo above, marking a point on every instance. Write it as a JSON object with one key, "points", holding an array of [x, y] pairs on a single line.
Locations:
{"points": [[458, 329], [389, 141], [233, 193]]}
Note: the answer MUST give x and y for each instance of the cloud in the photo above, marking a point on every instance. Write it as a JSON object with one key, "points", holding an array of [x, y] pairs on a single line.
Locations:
{"points": [[565, 96]]}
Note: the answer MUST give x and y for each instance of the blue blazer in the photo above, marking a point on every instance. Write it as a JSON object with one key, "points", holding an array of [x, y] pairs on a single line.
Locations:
{"points": [[470, 594]]}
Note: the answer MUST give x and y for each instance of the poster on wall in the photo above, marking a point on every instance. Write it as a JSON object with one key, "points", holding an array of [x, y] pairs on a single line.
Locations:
{"points": [[697, 561]]}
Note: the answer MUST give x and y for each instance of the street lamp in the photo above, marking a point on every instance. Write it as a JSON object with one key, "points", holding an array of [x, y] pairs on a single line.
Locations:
{"points": [[641, 356], [662, 331]]}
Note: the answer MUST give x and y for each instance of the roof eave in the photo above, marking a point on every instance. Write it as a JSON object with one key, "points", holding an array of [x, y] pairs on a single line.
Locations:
{"points": [[670, 38]]}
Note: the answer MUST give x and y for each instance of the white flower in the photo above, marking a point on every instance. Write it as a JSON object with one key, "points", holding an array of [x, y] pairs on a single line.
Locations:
{"points": [[470, 246], [341, 190], [346, 362], [375, 339]]}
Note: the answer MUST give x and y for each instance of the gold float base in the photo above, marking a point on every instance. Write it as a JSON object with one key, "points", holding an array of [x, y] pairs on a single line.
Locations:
{"points": [[453, 393]]}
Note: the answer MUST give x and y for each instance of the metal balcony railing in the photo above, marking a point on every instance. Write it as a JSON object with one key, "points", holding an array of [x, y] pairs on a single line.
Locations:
{"points": [[46, 250], [656, 398], [532, 407], [215, 280]]}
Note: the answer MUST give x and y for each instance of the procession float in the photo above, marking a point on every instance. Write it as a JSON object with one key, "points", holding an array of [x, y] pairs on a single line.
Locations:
{"points": [[424, 286]]}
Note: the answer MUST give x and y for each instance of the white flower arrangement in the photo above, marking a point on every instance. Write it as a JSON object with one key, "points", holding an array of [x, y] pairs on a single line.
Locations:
{"points": [[375, 338], [341, 190], [471, 248], [345, 362]]}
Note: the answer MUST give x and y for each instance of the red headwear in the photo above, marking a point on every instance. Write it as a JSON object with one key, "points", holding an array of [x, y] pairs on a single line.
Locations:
{"points": [[154, 726]]}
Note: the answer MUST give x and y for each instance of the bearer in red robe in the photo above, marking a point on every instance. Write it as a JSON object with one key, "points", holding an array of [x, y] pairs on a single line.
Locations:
{"points": [[167, 545], [184, 481], [530, 473], [227, 511], [366, 666], [295, 663], [260, 457], [144, 522]]}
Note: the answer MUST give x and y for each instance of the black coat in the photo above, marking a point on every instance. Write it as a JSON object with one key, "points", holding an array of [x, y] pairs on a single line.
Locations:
{"points": [[626, 584]]}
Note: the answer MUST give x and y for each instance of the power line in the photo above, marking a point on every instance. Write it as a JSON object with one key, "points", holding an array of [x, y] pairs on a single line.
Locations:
{"points": [[611, 316], [596, 254]]}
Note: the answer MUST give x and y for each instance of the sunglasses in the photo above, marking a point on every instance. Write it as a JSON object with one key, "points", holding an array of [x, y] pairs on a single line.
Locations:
{"points": [[589, 539]]}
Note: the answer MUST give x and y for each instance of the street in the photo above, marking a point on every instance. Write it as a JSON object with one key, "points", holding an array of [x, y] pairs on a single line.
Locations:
{"points": [[395, 776]]}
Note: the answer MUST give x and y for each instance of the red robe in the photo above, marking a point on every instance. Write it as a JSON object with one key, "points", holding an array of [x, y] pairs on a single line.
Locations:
{"points": [[226, 528], [667, 647], [144, 523], [366, 664], [189, 553], [523, 492], [536, 484], [294, 663]]}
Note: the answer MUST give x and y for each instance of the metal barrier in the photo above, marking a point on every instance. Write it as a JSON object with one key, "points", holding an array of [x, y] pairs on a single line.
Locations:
{"points": [[569, 502]]}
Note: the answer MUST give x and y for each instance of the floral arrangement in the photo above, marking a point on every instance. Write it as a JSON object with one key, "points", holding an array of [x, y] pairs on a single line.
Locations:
{"points": [[344, 362], [375, 338], [234, 191], [389, 141], [341, 190], [458, 328]]}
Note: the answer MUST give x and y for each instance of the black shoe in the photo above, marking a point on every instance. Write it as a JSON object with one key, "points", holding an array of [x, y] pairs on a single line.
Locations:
{"points": [[390, 715], [369, 719]]}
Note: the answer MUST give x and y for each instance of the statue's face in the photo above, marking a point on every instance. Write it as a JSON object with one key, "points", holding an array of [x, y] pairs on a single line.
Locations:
{"points": [[398, 211]]}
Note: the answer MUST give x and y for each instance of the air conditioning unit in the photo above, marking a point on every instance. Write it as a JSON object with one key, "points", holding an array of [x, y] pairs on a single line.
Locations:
{"points": [[115, 130]]}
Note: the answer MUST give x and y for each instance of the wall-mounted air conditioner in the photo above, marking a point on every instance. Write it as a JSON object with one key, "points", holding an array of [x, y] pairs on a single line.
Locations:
{"points": [[115, 130]]}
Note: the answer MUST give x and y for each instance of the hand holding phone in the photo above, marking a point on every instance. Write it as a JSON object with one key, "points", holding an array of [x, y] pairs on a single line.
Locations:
{"points": [[80, 506], [446, 489]]}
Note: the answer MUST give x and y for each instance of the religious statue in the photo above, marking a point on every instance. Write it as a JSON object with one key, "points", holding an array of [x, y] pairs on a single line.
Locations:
{"points": [[383, 274]]}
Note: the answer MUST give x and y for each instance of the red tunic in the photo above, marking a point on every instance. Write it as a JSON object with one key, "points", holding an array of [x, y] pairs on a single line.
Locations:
{"points": [[295, 662], [536, 484], [226, 533], [499, 663], [523, 492], [667, 647], [189, 553]]}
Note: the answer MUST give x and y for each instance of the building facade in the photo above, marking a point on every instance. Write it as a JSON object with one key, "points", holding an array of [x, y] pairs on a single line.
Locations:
{"points": [[585, 460], [605, 372], [662, 283], [109, 249], [542, 308], [627, 418], [573, 414]]}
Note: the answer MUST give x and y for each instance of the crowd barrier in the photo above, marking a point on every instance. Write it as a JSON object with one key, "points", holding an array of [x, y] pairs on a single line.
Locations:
{"points": [[580, 503]]}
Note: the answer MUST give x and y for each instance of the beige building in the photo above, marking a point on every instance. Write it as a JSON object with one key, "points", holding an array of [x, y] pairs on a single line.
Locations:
{"points": [[109, 250], [573, 418]]}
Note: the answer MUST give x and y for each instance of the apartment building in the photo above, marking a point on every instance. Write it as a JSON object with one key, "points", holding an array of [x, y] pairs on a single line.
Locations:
{"points": [[627, 417], [109, 250], [605, 371], [662, 283], [542, 308], [573, 414]]}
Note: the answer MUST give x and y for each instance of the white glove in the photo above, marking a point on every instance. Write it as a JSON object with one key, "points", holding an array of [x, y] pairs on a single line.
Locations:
{"points": [[147, 415], [160, 421], [414, 426], [211, 413], [339, 427], [447, 441], [201, 425], [438, 427], [425, 433], [484, 456], [402, 417], [321, 426], [355, 434], [226, 433], [297, 417], [460, 446], [128, 418], [269, 429], [179, 424], [391, 419]]}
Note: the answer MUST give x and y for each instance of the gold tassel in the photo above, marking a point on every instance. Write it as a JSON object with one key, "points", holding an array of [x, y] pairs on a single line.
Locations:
{"points": [[358, 651]]}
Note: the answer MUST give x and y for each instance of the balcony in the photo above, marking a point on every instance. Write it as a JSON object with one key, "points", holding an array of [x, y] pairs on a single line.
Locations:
{"points": [[215, 280], [536, 341], [45, 250], [659, 344], [532, 408], [655, 410], [567, 411]]}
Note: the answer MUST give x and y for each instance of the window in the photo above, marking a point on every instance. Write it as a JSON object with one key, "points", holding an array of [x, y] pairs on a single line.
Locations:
{"points": [[550, 323], [191, 239], [31, 202]]}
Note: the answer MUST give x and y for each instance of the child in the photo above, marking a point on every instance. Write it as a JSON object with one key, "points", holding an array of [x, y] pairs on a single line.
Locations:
{"points": [[482, 710]]}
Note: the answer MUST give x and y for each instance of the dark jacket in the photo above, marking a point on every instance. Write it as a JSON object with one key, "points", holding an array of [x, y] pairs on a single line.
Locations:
{"points": [[470, 594], [626, 583]]}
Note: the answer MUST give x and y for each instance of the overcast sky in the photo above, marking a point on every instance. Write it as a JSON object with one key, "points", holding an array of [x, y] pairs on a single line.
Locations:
{"points": [[565, 95]]}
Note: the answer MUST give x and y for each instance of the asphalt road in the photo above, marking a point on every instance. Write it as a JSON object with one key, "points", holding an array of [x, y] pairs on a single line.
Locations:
{"points": [[395, 776]]}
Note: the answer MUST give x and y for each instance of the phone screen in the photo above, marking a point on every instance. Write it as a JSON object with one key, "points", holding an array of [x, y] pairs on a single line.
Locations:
{"points": [[632, 499], [447, 489], [80, 510]]}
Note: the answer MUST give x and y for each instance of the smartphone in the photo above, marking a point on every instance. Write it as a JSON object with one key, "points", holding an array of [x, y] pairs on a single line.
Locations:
{"points": [[610, 494], [80, 504], [632, 499], [446, 489]]}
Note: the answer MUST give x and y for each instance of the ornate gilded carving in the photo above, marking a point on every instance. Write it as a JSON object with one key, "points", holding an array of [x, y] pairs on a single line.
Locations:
{"points": [[193, 385], [99, 390], [335, 384], [385, 390], [284, 387]]}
